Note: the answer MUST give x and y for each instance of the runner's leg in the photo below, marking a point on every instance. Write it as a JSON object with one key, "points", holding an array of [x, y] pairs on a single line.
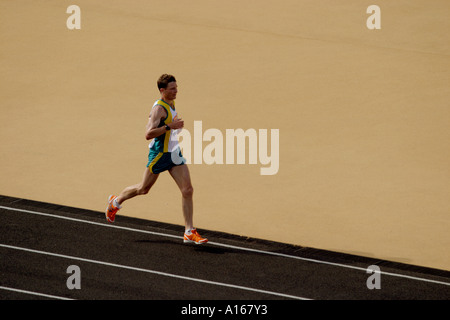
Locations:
{"points": [[182, 178], [142, 188]]}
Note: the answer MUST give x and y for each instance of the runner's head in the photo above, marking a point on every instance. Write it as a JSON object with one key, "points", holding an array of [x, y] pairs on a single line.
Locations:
{"points": [[167, 85]]}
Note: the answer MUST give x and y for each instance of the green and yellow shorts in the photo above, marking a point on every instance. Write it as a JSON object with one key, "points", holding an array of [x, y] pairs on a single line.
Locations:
{"points": [[161, 161]]}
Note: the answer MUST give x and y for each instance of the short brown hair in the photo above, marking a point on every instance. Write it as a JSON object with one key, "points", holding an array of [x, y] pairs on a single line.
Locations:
{"points": [[164, 80]]}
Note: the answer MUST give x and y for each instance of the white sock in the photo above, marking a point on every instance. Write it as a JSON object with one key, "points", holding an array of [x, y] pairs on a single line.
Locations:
{"points": [[116, 204], [188, 232]]}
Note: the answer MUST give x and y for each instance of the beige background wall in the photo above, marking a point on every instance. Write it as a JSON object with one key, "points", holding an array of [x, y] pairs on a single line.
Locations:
{"points": [[363, 114]]}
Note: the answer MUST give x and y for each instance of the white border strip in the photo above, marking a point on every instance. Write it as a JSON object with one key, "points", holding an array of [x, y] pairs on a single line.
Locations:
{"points": [[154, 272], [34, 293], [227, 246]]}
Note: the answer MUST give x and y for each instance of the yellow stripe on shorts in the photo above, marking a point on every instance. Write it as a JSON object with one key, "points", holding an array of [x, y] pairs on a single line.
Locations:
{"points": [[155, 160]]}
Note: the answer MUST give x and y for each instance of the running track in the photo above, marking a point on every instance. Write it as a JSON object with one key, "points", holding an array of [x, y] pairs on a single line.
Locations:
{"points": [[135, 259]]}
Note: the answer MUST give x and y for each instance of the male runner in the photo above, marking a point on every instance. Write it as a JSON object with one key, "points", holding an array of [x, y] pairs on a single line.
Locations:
{"points": [[164, 155]]}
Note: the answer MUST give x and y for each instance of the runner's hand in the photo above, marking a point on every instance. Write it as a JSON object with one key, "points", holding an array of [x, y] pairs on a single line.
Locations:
{"points": [[176, 124]]}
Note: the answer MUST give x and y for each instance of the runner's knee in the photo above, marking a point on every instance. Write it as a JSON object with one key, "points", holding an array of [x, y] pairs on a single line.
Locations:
{"points": [[187, 191]]}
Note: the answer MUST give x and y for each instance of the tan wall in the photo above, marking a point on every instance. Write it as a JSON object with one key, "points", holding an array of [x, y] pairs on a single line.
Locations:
{"points": [[363, 114]]}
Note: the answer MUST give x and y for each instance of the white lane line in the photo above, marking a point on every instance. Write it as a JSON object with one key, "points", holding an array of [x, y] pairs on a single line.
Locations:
{"points": [[34, 293], [154, 272], [227, 246]]}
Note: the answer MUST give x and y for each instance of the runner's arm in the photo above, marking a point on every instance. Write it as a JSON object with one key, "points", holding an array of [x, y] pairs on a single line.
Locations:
{"points": [[152, 130], [158, 113]]}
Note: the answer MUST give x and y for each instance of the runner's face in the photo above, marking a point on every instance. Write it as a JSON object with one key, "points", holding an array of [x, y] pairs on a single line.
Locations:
{"points": [[170, 93]]}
